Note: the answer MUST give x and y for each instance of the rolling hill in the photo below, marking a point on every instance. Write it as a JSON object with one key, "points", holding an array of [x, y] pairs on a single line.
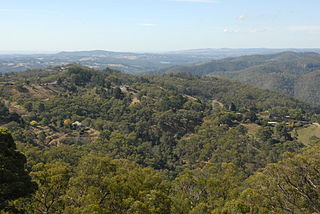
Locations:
{"points": [[291, 73], [108, 142], [128, 62]]}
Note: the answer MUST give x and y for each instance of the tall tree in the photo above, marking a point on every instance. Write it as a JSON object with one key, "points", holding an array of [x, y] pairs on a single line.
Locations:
{"points": [[52, 180], [14, 179], [290, 186]]}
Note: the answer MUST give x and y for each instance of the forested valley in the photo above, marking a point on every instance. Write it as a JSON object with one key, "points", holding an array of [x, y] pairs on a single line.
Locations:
{"points": [[79, 140]]}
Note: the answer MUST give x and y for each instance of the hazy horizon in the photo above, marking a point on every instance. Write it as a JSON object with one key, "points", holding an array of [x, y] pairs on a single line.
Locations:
{"points": [[30, 52]]}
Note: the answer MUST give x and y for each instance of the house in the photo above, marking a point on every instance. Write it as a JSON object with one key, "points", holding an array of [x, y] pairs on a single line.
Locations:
{"points": [[77, 124], [272, 123]]}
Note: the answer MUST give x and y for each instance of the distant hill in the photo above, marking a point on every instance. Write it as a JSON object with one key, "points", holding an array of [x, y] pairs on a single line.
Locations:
{"points": [[233, 52], [291, 73], [127, 62], [98, 59]]}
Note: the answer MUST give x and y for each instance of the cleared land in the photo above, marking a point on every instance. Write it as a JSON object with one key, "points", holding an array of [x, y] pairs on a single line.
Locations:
{"points": [[305, 134]]}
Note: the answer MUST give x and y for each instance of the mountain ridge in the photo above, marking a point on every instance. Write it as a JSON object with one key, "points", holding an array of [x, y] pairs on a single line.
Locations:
{"points": [[282, 72]]}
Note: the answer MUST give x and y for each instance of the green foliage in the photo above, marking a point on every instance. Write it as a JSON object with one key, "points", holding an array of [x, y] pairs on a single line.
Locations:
{"points": [[14, 179], [3, 110], [265, 134], [207, 188], [79, 75], [107, 142], [227, 92], [116, 186], [291, 186], [6, 116], [215, 141], [52, 180], [34, 123]]}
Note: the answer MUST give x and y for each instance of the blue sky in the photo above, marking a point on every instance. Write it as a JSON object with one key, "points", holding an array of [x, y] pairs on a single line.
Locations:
{"points": [[157, 25]]}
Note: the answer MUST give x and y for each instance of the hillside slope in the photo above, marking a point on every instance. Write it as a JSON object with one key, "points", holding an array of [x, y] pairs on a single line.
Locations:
{"points": [[103, 141], [290, 73]]}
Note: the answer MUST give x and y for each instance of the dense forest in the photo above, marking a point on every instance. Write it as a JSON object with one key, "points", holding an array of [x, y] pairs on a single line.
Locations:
{"points": [[290, 73], [78, 140]]}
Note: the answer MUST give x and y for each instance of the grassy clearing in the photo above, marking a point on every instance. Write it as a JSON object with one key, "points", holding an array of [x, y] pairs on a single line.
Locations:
{"points": [[305, 133], [252, 128]]}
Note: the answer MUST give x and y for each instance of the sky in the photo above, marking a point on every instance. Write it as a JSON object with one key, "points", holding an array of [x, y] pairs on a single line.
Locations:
{"points": [[157, 25]]}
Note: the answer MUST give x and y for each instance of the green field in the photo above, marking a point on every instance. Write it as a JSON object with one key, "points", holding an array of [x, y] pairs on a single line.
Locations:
{"points": [[305, 133]]}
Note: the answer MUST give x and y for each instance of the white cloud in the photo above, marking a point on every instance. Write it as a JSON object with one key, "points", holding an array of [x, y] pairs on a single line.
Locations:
{"points": [[197, 1], [305, 28], [228, 30], [242, 17], [252, 30], [147, 25]]}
